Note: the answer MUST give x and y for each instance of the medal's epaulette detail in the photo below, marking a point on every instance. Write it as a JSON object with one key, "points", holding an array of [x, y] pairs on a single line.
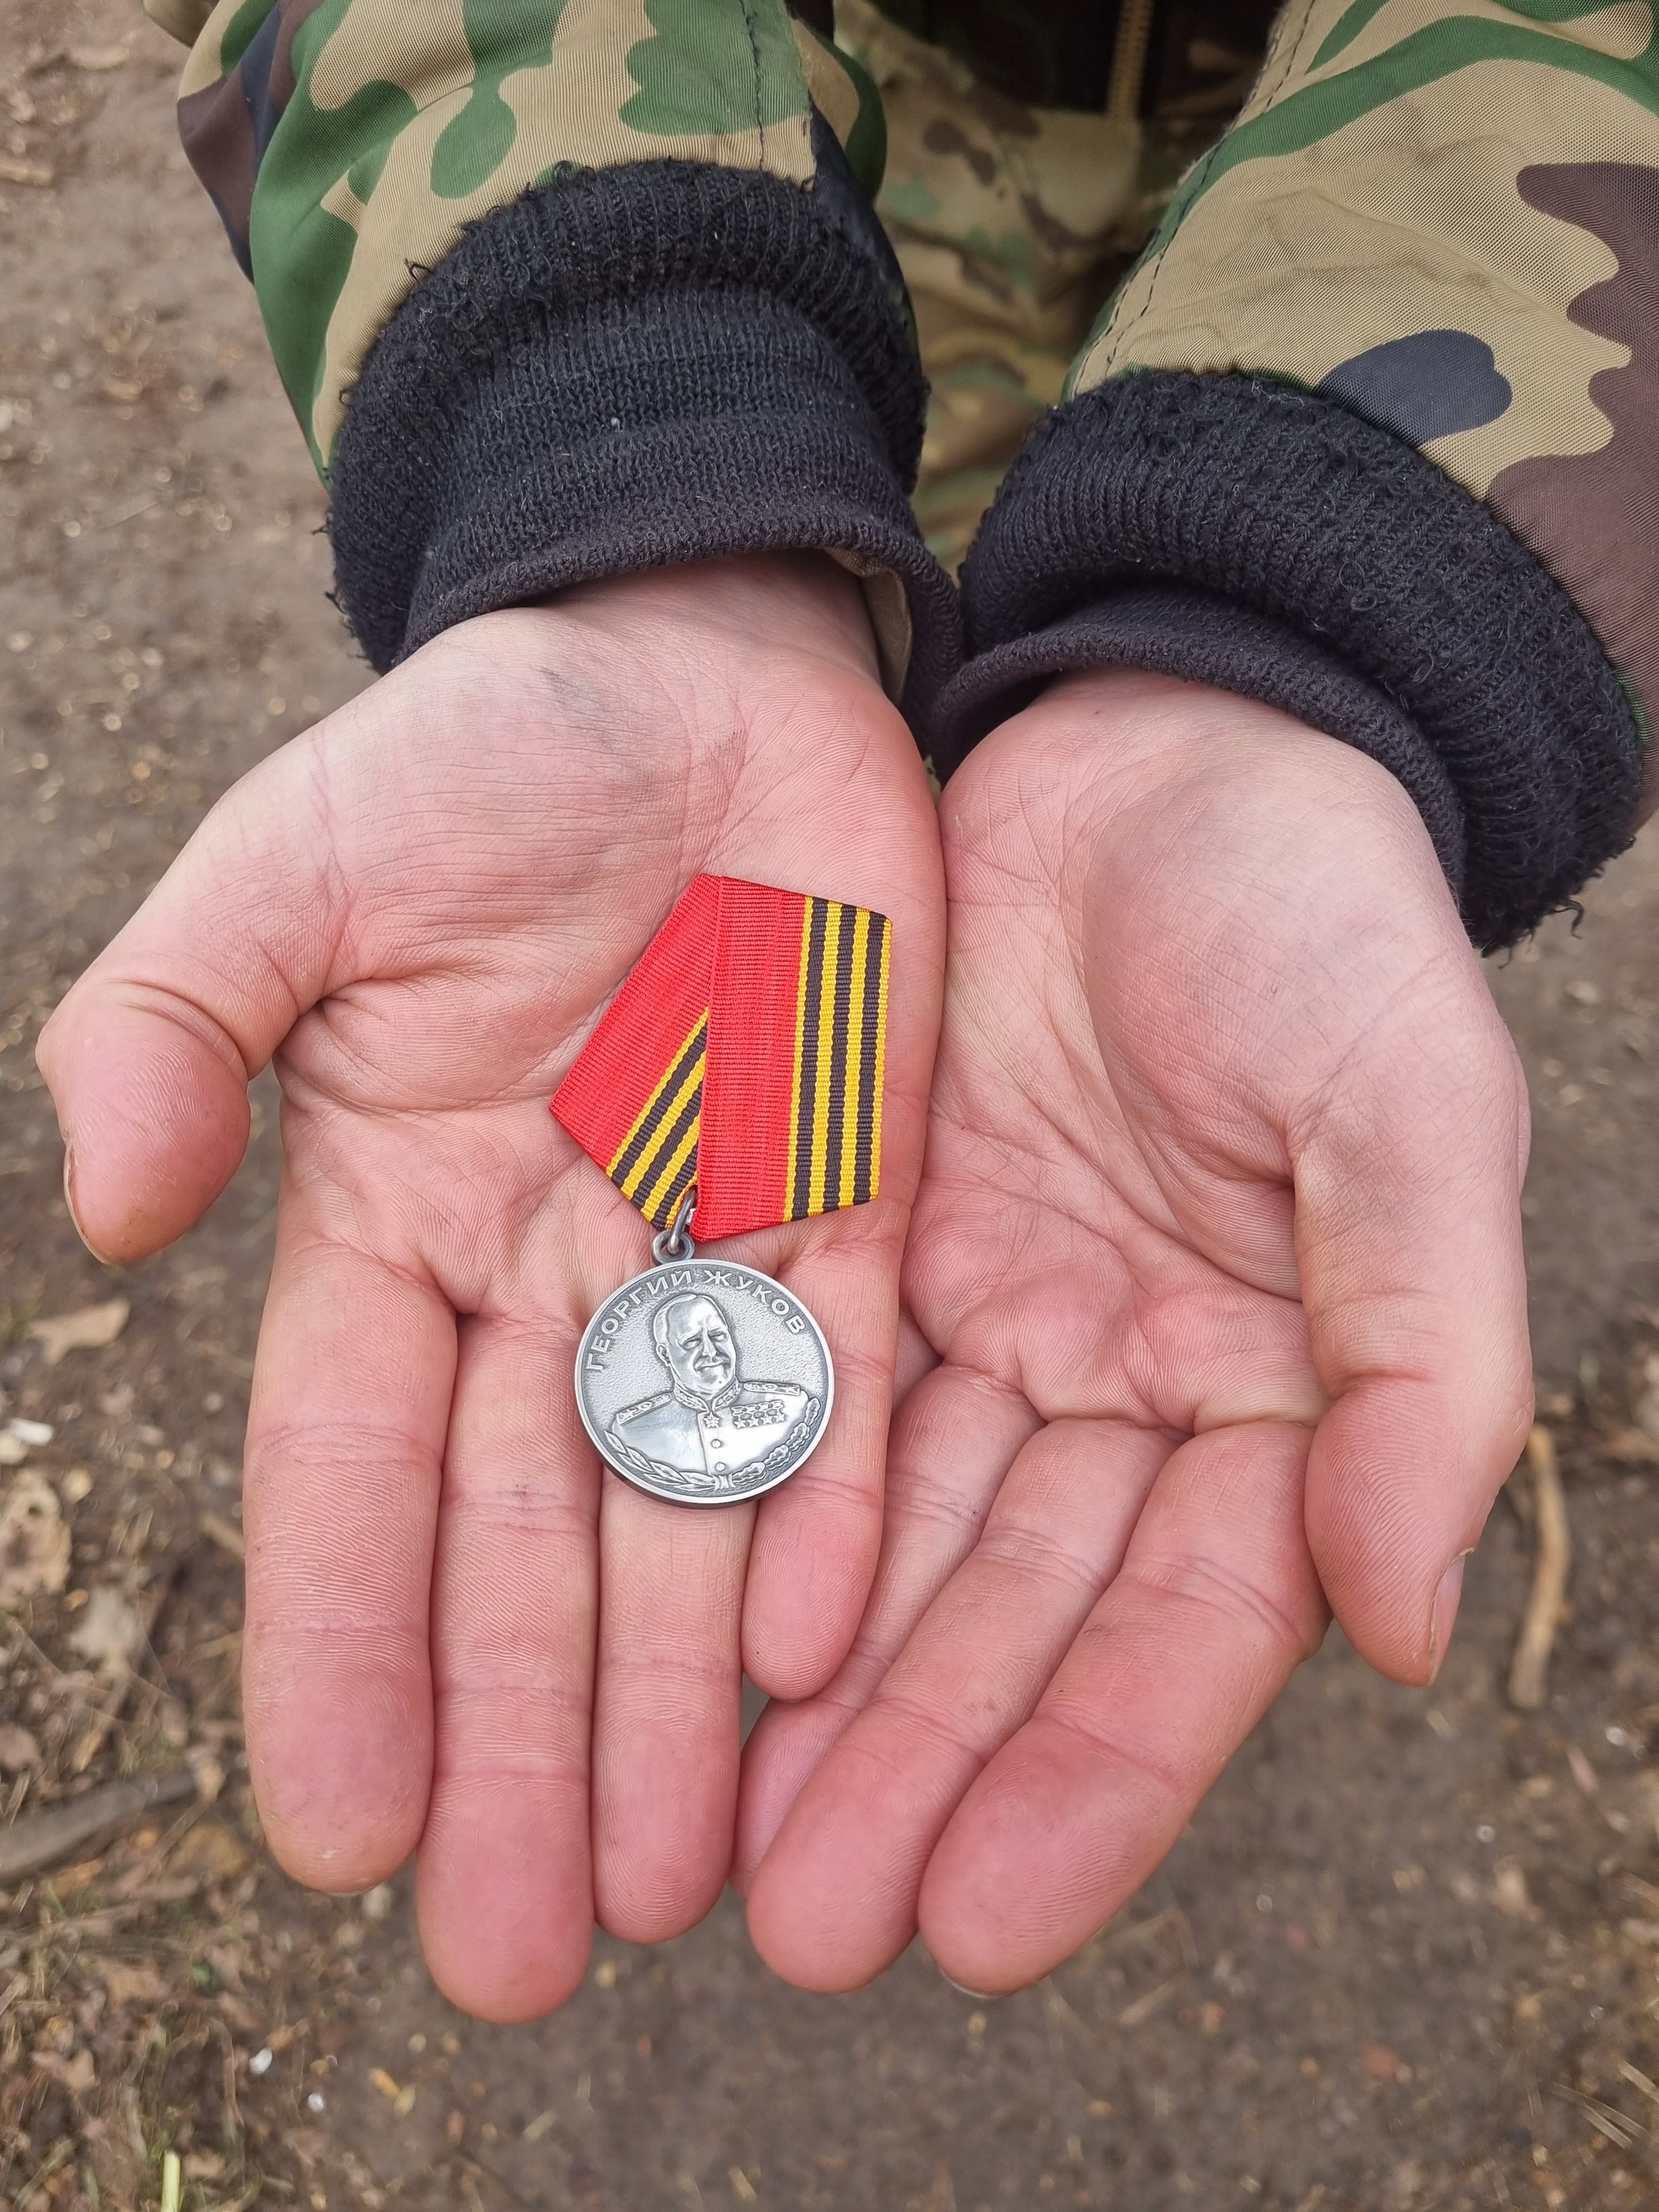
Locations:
{"points": [[642, 1406]]}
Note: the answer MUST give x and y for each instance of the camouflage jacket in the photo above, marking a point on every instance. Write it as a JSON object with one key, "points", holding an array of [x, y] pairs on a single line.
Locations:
{"points": [[1315, 357]]}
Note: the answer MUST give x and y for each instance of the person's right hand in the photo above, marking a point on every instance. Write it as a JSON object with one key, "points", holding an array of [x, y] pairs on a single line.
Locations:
{"points": [[1219, 1244], [421, 907]]}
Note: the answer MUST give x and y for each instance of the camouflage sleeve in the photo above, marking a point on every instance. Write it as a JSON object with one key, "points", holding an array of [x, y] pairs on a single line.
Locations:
{"points": [[1369, 428], [486, 234]]}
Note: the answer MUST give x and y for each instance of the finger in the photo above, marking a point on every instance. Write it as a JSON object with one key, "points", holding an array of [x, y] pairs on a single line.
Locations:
{"points": [[1216, 1604], [149, 1055], [915, 1358], [1408, 1220], [835, 1900], [667, 1709], [954, 1437], [345, 1439], [505, 1874], [819, 1536]]}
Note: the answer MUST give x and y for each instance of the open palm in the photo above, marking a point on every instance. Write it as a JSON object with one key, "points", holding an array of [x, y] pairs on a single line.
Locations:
{"points": [[1219, 1246], [458, 1635]]}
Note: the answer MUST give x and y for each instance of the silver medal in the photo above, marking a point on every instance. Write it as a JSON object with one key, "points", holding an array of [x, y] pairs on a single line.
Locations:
{"points": [[703, 1381]]}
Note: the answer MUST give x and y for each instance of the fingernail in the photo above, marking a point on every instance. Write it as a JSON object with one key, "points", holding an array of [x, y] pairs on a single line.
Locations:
{"points": [[983, 1997], [1446, 1599], [68, 1200]]}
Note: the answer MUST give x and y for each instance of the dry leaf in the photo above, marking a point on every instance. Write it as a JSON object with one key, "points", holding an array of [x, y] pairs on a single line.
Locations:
{"points": [[1630, 1448], [70, 1882], [77, 2074], [96, 58], [225, 1534], [18, 1749], [109, 1631], [135, 1982], [85, 1330], [1646, 1409], [35, 1544], [13, 172], [203, 2165], [208, 1775], [210, 1848], [241, 2015], [1509, 1890]]}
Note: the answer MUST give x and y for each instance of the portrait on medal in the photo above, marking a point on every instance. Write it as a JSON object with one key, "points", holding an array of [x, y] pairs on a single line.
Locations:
{"points": [[712, 1420], [736, 1374]]}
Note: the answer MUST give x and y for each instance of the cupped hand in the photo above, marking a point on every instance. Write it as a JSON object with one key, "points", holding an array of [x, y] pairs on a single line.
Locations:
{"points": [[1219, 1244], [459, 1637]]}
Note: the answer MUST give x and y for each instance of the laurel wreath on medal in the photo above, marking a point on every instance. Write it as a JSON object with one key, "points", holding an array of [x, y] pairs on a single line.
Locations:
{"points": [[740, 1479]]}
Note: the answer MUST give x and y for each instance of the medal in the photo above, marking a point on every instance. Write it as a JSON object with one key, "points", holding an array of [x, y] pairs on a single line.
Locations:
{"points": [[737, 1078], [703, 1382]]}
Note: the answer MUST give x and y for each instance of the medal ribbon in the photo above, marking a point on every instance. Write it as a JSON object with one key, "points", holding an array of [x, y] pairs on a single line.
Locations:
{"points": [[743, 1054]]}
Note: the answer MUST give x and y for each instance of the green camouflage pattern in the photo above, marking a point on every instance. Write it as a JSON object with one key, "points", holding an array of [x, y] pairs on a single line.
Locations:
{"points": [[1012, 222], [349, 144], [1443, 213]]}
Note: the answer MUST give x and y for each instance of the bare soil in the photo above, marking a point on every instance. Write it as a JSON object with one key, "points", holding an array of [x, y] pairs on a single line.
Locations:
{"points": [[1407, 1957]]}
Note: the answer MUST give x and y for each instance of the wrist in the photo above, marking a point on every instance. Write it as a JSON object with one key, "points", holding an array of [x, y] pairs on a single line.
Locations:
{"points": [[743, 604], [1134, 731], [1154, 766]]}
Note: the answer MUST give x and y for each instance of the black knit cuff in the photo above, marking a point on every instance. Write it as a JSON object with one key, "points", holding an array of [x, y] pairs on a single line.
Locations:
{"points": [[1180, 630], [1311, 560], [625, 369]]}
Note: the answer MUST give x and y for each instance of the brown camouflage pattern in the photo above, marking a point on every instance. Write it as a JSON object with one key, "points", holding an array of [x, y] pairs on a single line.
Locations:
{"points": [[1012, 222], [1574, 504], [1443, 213]]}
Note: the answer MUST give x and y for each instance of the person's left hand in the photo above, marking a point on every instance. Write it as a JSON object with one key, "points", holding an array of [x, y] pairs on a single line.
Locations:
{"points": [[1219, 1246], [461, 1638]]}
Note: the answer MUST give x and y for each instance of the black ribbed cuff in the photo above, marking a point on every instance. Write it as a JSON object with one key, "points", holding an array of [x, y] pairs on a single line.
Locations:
{"points": [[626, 369], [1282, 547]]}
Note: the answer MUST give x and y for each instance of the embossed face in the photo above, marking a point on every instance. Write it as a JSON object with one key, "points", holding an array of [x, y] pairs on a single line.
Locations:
{"points": [[693, 1342]]}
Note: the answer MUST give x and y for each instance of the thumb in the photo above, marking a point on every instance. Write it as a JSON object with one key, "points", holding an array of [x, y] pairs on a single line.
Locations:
{"points": [[149, 1055], [1408, 1210]]}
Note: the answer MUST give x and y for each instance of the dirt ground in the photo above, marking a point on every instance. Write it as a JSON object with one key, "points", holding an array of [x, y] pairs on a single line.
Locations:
{"points": [[1406, 1958]]}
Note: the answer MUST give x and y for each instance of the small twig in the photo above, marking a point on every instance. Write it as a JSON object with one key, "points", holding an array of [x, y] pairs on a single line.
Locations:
{"points": [[1137, 1931], [1607, 2119], [95, 1926], [42, 1840], [1529, 1671], [141, 504], [233, 2111], [224, 1533], [49, 2165], [1143, 2008]]}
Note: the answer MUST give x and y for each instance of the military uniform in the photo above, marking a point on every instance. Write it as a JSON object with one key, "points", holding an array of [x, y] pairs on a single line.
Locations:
{"points": [[1329, 345], [711, 1437]]}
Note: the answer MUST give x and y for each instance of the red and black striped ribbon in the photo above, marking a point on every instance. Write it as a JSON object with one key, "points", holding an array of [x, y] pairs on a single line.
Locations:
{"points": [[744, 1053]]}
